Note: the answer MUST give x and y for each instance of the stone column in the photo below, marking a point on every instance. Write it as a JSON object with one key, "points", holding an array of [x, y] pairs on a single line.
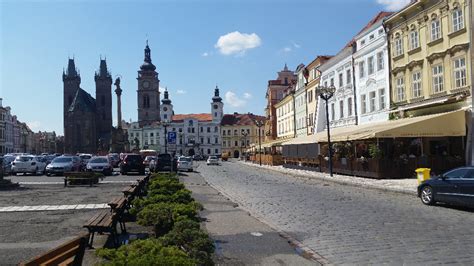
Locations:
{"points": [[118, 91]]}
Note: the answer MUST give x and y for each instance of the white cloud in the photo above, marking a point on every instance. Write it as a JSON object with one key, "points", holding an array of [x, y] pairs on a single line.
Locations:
{"points": [[297, 46], [247, 95], [287, 49], [237, 43], [180, 92], [393, 5], [233, 100], [205, 54], [34, 125]]}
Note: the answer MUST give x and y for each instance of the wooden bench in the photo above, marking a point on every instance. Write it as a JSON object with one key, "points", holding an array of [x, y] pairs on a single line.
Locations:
{"points": [[103, 222], [69, 253], [91, 177], [119, 206]]}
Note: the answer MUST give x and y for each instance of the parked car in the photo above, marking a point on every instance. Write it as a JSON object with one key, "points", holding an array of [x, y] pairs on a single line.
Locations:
{"points": [[198, 157], [100, 164], [85, 158], [7, 164], [114, 159], [212, 160], [455, 187], [148, 159], [132, 163], [163, 162], [62, 164], [27, 164], [185, 164]]}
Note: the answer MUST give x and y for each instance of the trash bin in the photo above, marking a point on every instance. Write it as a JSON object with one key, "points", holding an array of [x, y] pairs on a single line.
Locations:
{"points": [[422, 174]]}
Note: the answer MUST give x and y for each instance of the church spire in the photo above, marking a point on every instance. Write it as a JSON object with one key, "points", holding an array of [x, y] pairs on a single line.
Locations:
{"points": [[147, 64], [166, 99], [216, 97], [71, 68], [103, 71]]}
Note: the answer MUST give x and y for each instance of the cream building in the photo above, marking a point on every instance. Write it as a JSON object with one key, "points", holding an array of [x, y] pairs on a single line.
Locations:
{"points": [[430, 59], [239, 132], [285, 112], [300, 102]]}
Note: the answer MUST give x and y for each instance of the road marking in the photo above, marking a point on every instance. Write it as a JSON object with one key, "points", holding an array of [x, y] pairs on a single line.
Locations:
{"points": [[27, 208]]}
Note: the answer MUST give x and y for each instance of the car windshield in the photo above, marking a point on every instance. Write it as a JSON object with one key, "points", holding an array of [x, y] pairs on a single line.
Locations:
{"points": [[23, 158], [98, 160], [85, 157], [184, 159], [134, 158], [164, 156], [212, 157], [62, 160], [149, 158]]}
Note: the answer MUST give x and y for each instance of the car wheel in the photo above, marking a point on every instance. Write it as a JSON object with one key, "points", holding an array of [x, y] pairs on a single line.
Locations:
{"points": [[427, 195], [48, 174]]}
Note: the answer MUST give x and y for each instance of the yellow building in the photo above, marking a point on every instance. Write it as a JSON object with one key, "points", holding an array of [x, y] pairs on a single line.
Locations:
{"points": [[430, 58], [239, 132]]}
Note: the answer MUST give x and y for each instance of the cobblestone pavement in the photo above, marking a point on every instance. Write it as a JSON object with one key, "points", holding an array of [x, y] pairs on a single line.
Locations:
{"points": [[346, 224]]}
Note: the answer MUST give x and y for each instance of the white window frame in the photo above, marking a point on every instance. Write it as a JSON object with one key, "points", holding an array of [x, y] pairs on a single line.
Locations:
{"points": [[380, 61], [398, 45], [435, 29], [438, 78], [333, 112], [361, 69], [370, 65], [348, 76], [416, 84], [372, 98], [459, 72], [400, 88], [414, 40], [341, 109], [457, 19], [363, 104], [349, 107], [382, 99]]}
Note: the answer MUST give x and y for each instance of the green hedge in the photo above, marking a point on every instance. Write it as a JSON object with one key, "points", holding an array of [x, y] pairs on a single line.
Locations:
{"points": [[173, 213]]}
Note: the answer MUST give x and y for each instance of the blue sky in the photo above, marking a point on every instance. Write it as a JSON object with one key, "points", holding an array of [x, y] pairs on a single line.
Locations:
{"points": [[195, 45]]}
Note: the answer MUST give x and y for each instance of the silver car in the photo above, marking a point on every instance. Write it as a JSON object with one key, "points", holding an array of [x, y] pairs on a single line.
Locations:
{"points": [[63, 164], [100, 164], [212, 160], [185, 164]]}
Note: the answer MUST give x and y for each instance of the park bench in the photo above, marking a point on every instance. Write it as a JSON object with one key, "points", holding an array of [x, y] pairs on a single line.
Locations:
{"points": [[69, 253], [119, 206], [89, 177], [103, 222]]}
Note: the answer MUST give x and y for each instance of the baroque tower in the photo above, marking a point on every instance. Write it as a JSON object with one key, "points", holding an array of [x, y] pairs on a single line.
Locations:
{"points": [[166, 107], [103, 97], [217, 107], [148, 94], [71, 80]]}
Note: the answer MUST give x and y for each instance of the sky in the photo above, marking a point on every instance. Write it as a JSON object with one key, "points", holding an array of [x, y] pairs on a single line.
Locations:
{"points": [[236, 44]]}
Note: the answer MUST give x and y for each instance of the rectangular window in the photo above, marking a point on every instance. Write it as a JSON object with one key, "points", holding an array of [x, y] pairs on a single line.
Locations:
{"points": [[341, 80], [363, 104], [349, 107], [398, 46], [370, 65], [361, 69], [332, 82], [216, 140], [416, 84], [400, 85], [381, 99], [208, 130], [372, 101], [380, 61], [414, 41], [341, 109], [348, 77], [460, 72], [333, 112], [435, 30], [438, 80], [458, 20]]}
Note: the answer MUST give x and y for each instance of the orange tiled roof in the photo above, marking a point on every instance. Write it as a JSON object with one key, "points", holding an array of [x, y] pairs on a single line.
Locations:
{"points": [[199, 117]]}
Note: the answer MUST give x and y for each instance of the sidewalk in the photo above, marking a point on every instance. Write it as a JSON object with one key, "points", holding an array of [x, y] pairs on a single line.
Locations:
{"points": [[406, 186], [240, 239]]}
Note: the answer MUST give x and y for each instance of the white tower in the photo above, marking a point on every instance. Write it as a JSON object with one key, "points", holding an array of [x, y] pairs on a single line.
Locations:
{"points": [[217, 107], [166, 107]]}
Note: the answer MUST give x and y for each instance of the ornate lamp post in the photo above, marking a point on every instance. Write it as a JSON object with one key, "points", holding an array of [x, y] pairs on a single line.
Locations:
{"points": [[326, 93], [259, 124], [244, 145]]}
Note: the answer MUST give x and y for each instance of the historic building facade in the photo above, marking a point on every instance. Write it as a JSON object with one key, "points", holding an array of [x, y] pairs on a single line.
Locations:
{"points": [[239, 132], [301, 109], [372, 72], [87, 121], [430, 58], [148, 93], [285, 115], [275, 93], [194, 133]]}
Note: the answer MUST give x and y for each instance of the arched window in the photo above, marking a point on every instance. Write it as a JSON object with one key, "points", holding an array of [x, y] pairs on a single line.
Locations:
{"points": [[146, 101]]}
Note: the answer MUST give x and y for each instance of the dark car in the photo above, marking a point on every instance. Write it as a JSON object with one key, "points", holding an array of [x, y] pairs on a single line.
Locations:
{"points": [[132, 163], [455, 187], [163, 162]]}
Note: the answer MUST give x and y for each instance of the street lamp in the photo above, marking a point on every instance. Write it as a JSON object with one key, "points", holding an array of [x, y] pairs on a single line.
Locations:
{"points": [[326, 93], [259, 124], [244, 133], [166, 124]]}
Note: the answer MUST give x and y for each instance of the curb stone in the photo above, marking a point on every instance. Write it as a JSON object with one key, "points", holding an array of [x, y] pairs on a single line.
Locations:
{"points": [[341, 182], [305, 252]]}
